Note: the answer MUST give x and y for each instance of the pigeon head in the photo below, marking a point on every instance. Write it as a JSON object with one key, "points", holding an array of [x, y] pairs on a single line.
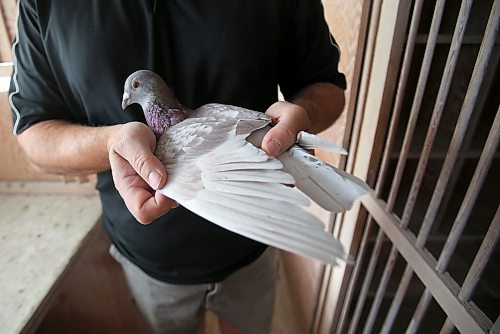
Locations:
{"points": [[144, 87], [161, 108]]}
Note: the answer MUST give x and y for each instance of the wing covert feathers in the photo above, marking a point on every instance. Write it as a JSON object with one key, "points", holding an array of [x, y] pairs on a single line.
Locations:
{"points": [[214, 172], [242, 189]]}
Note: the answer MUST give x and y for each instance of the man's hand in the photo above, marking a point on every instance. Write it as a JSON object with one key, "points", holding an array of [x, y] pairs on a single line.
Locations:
{"points": [[313, 109], [137, 172], [288, 119]]}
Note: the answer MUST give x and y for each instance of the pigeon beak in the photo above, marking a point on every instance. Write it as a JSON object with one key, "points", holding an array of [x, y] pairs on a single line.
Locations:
{"points": [[125, 100]]}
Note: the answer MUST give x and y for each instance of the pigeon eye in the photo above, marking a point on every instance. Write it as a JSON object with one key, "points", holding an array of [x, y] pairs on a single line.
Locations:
{"points": [[135, 84]]}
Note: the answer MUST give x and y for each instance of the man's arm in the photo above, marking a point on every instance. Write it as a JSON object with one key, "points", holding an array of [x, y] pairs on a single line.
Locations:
{"points": [[59, 147], [314, 108]]}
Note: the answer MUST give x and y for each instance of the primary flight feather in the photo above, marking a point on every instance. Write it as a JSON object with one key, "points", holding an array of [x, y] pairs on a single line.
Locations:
{"points": [[217, 170]]}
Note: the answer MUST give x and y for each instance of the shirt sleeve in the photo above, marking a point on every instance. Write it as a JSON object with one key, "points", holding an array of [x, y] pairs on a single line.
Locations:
{"points": [[310, 53], [34, 95]]}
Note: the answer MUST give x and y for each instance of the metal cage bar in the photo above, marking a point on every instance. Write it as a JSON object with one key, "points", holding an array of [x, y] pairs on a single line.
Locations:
{"points": [[477, 267], [400, 93], [462, 216], [467, 317], [430, 271], [472, 192], [400, 166], [354, 276], [417, 102], [390, 263], [471, 97], [447, 169], [379, 295], [367, 281], [444, 88], [484, 253]]}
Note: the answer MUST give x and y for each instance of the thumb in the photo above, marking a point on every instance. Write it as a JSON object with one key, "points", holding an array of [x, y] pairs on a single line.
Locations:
{"points": [[289, 120], [136, 147], [277, 140], [147, 165]]}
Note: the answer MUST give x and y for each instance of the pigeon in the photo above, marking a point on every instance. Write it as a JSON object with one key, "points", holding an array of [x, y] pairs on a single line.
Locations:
{"points": [[217, 169]]}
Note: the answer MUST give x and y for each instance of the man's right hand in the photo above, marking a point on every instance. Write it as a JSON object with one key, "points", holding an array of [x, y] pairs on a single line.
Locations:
{"points": [[137, 172]]}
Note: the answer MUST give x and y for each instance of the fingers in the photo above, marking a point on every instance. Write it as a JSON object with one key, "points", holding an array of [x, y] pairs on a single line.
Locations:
{"points": [[137, 173], [289, 120], [136, 144]]}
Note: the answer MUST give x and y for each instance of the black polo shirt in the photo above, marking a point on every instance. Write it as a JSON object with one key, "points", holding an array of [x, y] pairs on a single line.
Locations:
{"points": [[72, 58]]}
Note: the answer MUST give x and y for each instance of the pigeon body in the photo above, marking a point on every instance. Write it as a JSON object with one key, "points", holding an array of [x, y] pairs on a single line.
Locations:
{"points": [[217, 170]]}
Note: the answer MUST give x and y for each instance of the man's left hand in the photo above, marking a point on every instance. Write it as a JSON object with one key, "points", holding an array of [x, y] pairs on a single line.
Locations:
{"points": [[288, 119]]}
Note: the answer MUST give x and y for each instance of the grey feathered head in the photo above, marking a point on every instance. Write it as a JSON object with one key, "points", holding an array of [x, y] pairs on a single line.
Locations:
{"points": [[145, 86]]}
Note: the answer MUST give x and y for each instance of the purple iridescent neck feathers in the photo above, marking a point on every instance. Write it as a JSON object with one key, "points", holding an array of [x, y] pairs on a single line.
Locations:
{"points": [[159, 116]]}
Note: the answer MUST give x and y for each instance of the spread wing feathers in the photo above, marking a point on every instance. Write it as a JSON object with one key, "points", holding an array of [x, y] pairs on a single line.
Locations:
{"points": [[239, 187], [277, 232], [329, 187], [309, 141]]}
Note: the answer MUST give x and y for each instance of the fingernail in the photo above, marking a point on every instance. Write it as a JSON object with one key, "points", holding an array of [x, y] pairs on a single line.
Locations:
{"points": [[274, 147], [154, 179]]}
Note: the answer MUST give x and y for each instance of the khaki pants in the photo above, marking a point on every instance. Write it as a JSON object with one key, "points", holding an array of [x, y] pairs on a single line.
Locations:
{"points": [[245, 299]]}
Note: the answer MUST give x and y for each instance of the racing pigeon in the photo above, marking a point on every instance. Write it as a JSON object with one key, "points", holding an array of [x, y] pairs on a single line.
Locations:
{"points": [[218, 171]]}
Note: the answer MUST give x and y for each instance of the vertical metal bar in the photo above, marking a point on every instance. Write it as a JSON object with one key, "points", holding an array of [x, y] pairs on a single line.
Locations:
{"points": [[458, 136], [366, 282], [397, 300], [448, 327], [476, 269], [463, 214], [354, 277], [419, 313], [417, 102], [484, 254], [400, 93], [468, 105], [379, 296], [444, 87], [471, 195]]}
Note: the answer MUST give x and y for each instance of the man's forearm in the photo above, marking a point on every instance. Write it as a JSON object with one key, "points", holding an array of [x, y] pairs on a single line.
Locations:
{"points": [[59, 147], [323, 103]]}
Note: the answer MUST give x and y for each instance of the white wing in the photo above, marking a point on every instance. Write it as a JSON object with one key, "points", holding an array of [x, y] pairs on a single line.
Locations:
{"points": [[309, 141], [330, 187], [217, 174]]}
